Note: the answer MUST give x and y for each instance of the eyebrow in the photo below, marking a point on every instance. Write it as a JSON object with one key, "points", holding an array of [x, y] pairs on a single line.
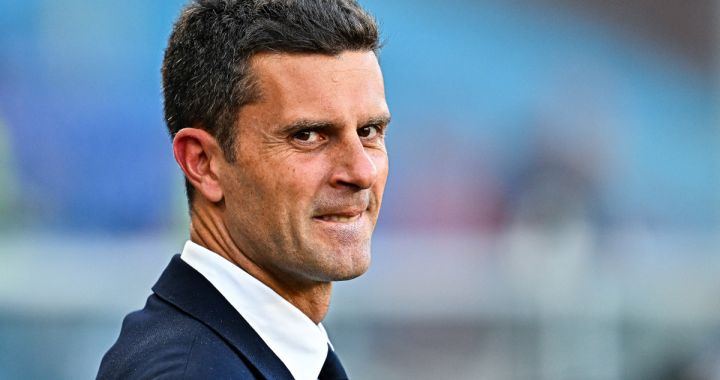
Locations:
{"points": [[383, 120], [304, 124]]}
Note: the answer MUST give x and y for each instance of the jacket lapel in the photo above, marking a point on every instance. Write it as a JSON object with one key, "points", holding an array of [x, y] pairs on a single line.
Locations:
{"points": [[184, 287]]}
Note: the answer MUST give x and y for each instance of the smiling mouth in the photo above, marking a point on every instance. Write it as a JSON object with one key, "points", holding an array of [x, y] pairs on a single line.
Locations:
{"points": [[339, 218]]}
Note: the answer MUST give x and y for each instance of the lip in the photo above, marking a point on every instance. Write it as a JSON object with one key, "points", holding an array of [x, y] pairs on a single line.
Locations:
{"points": [[340, 216], [343, 226]]}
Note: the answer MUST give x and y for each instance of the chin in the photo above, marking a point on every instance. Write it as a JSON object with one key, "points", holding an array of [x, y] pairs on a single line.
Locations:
{"points": [[354, 264], [345, 264], [355, 273]]}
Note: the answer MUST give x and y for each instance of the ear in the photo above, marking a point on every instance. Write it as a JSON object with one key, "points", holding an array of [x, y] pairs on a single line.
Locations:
{"points": [[198, 155]]}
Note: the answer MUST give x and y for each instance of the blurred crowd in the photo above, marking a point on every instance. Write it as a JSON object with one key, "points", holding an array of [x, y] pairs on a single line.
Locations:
{"points": [[554, 130]]}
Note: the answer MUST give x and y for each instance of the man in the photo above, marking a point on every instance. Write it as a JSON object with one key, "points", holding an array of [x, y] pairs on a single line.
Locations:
{"points": [[277, 112]]}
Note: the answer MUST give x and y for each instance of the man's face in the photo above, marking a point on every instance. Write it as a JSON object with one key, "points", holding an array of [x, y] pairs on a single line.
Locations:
{"points": [[302, 198]]}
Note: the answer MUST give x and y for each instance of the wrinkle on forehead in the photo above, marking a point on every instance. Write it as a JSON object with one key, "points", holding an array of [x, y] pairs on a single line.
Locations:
{"points": [[304, 68], [319, 83]]}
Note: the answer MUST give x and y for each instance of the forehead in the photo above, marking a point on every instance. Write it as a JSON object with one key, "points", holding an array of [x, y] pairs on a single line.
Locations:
{"points": [[292, 83]]}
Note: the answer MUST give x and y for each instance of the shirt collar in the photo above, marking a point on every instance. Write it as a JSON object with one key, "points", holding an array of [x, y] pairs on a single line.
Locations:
{"points": [[299, 343]]}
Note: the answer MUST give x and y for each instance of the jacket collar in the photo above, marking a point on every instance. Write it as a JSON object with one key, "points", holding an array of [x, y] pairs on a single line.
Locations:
{"points": [[188, 290]]}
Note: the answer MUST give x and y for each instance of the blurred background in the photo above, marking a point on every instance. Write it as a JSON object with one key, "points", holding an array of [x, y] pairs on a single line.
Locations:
{"points": [[553, 209]]}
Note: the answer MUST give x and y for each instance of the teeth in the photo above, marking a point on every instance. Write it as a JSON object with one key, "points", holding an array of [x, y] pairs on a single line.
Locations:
{"points": [[338, 219]]}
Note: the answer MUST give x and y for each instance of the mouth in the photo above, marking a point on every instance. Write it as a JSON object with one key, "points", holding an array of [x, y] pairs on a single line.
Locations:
{"points": [[340, 218], [347, 227]]}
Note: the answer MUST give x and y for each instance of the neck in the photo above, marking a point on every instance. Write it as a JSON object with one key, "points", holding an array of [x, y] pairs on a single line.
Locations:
{"points": [[207, 229]]}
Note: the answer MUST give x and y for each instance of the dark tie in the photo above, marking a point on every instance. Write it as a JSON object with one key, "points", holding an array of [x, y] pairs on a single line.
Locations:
{"points": [[332, 369]]}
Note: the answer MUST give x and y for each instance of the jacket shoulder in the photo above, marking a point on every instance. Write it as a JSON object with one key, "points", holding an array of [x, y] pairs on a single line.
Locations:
{"points": [[162, 342]]}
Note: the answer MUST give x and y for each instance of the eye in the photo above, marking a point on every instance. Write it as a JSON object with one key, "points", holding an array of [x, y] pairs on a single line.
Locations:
{"points": [[368, 132], [307, 136]]}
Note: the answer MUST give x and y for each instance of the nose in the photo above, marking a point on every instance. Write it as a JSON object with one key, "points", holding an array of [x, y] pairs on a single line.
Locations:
{"points": [[354, 167]]}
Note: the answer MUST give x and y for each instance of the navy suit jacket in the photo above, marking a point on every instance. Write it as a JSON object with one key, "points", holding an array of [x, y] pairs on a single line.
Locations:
{"points": [[188, 330]]}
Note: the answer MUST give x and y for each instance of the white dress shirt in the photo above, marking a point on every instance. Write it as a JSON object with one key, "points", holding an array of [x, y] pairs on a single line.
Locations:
{"points": [[299, 343]]}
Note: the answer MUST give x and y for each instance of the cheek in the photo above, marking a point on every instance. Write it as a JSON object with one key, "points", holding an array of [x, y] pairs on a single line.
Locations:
{"points": [[380, 159], [295, 185]]}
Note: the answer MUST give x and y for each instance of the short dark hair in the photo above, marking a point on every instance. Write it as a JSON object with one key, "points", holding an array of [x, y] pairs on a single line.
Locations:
{"points": [[206, 75]]}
